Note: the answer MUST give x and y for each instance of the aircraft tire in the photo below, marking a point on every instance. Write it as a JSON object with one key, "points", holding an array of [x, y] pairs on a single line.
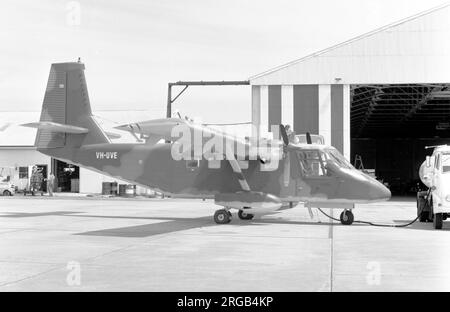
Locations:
{"points": [[222, 216], [437, 221], [245, 216], [347, 217]]}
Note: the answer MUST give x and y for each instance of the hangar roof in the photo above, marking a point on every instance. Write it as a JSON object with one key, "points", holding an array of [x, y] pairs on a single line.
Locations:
{"points": [[413, 50]]}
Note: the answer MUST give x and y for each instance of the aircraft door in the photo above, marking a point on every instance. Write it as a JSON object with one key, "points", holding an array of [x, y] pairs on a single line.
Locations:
{"points": [[313, 176]]}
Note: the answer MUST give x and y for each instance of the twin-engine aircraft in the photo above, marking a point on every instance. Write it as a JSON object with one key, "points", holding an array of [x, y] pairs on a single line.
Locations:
{"points": [[195, 161]]}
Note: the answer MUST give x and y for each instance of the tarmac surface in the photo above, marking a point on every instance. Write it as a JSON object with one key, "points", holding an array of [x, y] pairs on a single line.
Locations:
{"points": [[95, 244]]}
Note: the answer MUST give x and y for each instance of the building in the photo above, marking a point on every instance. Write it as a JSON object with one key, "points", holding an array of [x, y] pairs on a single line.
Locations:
{"points": [[383, 95]]}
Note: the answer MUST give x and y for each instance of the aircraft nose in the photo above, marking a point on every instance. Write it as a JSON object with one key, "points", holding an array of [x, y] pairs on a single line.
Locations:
{"points": [[378, 191]]}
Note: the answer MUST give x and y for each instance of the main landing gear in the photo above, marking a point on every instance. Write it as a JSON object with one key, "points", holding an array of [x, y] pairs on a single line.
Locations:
{"points": [[223, 216], [245, 216], [347, 217]]}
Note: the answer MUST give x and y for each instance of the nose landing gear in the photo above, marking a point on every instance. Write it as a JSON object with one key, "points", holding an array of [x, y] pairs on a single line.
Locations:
{"points": [[347, 217]]}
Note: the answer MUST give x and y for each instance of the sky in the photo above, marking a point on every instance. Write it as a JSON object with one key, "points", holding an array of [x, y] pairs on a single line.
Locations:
{"points": [[133, 48]]}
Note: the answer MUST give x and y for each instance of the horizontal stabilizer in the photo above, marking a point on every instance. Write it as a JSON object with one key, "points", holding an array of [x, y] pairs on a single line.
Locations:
{"points": [[56, 127]]}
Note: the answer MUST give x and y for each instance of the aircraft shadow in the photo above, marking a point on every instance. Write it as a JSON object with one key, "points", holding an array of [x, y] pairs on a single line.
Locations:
{"points": [[170, 225], [165, 224], [37, 214]]}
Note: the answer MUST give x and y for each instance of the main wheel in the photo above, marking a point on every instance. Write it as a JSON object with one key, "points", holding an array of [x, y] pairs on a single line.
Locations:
{"points": [[437, 221], [6, 193], [347, 217], [222, 216], [245, 216]]}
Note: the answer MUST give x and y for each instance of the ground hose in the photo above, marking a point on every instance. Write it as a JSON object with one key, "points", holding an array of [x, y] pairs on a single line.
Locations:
{"points": [[383, 225]]}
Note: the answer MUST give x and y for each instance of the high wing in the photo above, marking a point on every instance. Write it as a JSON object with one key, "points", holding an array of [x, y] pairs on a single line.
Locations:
{"points": [[160, 128], [171, 129], [233, 148]]}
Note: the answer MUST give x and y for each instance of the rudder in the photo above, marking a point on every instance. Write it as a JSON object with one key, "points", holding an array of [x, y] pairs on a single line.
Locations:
{"points": [[66, 116]]}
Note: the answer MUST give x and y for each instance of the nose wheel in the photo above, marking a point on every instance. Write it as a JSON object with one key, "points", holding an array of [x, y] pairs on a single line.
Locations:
{"points": [[347, 217], [222, 216]]}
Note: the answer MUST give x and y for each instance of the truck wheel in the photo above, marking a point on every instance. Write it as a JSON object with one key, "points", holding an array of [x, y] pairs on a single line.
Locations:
{"points": [[437, 221], [7, 193]]}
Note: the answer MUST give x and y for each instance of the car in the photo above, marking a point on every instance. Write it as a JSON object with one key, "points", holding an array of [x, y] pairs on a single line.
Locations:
{"points": [[6, 187]]}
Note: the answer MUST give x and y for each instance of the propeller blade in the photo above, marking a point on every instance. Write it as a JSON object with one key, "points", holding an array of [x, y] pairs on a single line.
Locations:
{"points": [[284, 135], [308, 138]]}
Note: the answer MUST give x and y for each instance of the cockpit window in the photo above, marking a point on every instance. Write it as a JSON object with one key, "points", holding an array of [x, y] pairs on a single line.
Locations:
{"points": [[445, 162], [314, 163], [335, 156], [311, 163]]}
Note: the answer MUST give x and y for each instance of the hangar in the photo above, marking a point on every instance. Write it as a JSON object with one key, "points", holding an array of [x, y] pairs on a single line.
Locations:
{"points": [[379, 98]]}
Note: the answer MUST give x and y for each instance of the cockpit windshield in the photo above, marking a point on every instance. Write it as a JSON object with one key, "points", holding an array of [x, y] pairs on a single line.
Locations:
{"points": [[445, 162], [333, 155], [313, 163]]}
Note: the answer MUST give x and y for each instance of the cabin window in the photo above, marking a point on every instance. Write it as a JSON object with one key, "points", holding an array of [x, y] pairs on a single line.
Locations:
{"points": [[192, 164], [214, 164], [311, 164], [243, 164], [437, 162]]}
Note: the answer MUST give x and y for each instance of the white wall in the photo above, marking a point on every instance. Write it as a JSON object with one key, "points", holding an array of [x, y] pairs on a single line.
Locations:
{"points": [[91, 182], [22, 157]]}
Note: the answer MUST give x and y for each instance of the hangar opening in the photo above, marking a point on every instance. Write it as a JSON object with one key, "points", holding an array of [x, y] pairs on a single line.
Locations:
{"points": [[392, 124]]}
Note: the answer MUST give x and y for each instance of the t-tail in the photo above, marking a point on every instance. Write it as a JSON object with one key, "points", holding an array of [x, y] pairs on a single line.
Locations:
{"points": [[66, 121]]}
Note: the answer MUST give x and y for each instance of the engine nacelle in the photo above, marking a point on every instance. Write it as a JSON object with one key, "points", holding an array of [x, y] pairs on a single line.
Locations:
{"points": [[255, 201]]}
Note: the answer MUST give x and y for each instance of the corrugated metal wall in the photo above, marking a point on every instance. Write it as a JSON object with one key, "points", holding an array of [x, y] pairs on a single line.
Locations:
{"points": [[416, 50]]}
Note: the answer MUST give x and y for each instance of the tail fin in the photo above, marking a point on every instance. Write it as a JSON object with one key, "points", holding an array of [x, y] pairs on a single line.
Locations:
{"points": [[66, 116]]}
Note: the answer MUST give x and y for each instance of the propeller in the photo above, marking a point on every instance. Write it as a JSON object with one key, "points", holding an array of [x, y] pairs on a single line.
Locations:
{"points": [[308, 138], [287, 163], [284, 135]]}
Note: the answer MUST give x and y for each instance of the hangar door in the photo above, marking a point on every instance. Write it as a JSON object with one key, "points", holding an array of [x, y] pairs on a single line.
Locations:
{"points": [[392, 124]]}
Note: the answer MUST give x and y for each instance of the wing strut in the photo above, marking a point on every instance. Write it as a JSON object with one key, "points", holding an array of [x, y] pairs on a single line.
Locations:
{"points": [[229, 155]]}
